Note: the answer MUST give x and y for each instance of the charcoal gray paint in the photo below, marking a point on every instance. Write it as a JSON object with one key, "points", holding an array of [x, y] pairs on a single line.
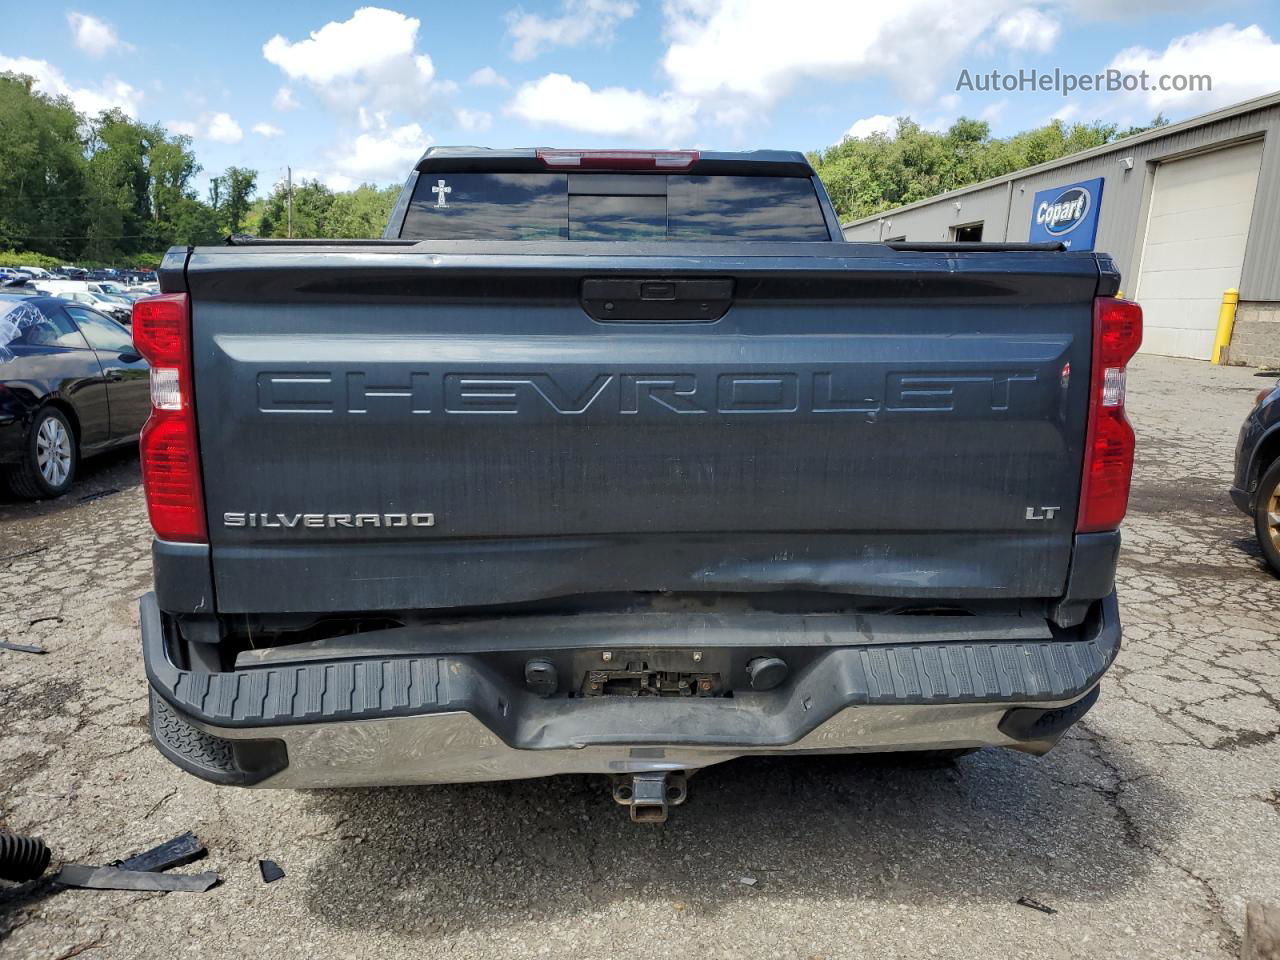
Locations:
{"points": [[860, 420]]}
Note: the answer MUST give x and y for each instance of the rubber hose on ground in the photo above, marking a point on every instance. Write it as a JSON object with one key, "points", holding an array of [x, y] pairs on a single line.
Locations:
{"points": [[22, 858]]}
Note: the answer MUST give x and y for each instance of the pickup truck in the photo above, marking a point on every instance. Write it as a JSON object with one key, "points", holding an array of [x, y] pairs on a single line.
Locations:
{"points": [[625, 463]]}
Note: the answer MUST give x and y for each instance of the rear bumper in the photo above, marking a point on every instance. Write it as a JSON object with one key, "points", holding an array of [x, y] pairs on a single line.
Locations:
{"points": [[449, 718]]}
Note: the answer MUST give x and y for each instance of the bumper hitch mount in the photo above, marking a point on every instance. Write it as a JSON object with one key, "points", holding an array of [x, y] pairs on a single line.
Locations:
{"points": [[649, 795]]}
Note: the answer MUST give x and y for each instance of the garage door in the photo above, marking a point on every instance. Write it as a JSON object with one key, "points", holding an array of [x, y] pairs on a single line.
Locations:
{"points": [[1199, 222]]}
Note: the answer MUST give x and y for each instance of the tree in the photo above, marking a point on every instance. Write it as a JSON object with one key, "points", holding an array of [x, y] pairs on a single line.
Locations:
{"points": [[230, 195], [361, 212], [106, 189], [867, 175], [173, 167], [1159, 120], [42, 170], [312, 202], [118, 205], [192, 223], [319, 212]]}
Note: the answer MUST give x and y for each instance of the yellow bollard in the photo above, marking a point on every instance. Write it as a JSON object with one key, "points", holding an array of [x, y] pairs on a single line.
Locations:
{"points": [[1226, 322]]}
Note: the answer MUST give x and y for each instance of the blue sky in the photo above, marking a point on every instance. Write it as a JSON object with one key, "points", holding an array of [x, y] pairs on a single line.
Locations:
{"points": [[347, 94]]}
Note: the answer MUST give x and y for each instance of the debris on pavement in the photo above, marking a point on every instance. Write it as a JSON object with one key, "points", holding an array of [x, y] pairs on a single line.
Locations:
{"points": [[142, 871], [24, 553], [113, 878], [181, 850], [21, 647], [271, 871], [22, 858], [98, 495], [1035, 905], [748, 881]]}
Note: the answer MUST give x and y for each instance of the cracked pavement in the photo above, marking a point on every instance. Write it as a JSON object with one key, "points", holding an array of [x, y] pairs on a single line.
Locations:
{"points": [[1147, 829]]}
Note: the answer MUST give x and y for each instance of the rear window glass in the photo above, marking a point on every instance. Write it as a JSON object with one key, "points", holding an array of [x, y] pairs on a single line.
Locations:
{"points": [[28, 325], [489, 206], [560, 206]]}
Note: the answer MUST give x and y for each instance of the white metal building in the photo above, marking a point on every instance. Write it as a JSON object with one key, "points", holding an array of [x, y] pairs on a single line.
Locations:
{"points": [[1187, 211]]}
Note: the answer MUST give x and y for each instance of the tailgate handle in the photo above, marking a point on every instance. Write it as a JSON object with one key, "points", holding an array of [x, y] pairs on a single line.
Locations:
{"points": [[656, 300]]}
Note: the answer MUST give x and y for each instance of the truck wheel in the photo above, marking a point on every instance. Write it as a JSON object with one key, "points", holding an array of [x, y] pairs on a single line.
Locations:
{"points": [[51, 458], [1266, 516]]}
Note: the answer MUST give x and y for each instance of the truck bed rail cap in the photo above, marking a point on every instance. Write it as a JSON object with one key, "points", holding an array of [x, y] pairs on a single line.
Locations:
{"points": [[970, 246]]}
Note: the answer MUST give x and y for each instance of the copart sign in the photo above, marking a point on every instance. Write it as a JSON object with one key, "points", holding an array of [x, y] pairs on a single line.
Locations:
{"points": [[1067, 214]]}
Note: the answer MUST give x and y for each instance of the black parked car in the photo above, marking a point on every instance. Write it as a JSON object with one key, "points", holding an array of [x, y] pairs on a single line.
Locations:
{"points": [[71, 385], [1256, 488]]}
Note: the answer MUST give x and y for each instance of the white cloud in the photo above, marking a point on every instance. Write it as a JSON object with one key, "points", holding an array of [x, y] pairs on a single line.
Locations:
{"points": [[379, 156], [93, 36], [369, 60], [222, 129], [992, 112], [385, 154], [487, 77], [580, 22], [1242, 62], [558, 100], [218, 127], [267, 130], [735, 48], [285, 100], [880, 123], [371, 118], [334, 181], [473, 121], [1028, 29], [371, 38], [111, 93]]}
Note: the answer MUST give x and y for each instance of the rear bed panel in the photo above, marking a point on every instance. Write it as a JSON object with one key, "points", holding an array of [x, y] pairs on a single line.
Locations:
{"points": [[874, 423]]}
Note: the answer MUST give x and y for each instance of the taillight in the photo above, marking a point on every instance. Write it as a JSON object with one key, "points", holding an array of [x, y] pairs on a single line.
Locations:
{"points": [[170, 457], [1108, 455], [619, 159]]}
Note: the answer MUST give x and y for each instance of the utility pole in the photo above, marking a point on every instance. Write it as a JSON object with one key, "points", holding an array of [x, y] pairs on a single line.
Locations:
{"points": [[289, 176]]}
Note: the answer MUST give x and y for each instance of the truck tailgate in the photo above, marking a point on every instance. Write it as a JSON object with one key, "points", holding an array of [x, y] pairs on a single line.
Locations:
{"points": [[446, 424]]}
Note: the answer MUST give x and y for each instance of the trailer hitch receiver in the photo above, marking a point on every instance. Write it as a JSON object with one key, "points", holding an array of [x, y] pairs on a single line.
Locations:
{"points": [[649, 795]]}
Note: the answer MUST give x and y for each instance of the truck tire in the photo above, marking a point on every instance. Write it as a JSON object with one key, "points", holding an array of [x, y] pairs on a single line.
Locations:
{"points": [[49, 465], [1266, 516]]}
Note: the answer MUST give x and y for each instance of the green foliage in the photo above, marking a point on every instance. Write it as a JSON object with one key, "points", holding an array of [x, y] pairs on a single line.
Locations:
{"points": [[26, 258], [229, 196], [319, 212], [865, 176], [42, 170], [111, 190], [93, 190]]}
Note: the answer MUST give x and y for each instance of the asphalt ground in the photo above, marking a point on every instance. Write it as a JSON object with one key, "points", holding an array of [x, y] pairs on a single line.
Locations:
{"points": [[1147, 829]]}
